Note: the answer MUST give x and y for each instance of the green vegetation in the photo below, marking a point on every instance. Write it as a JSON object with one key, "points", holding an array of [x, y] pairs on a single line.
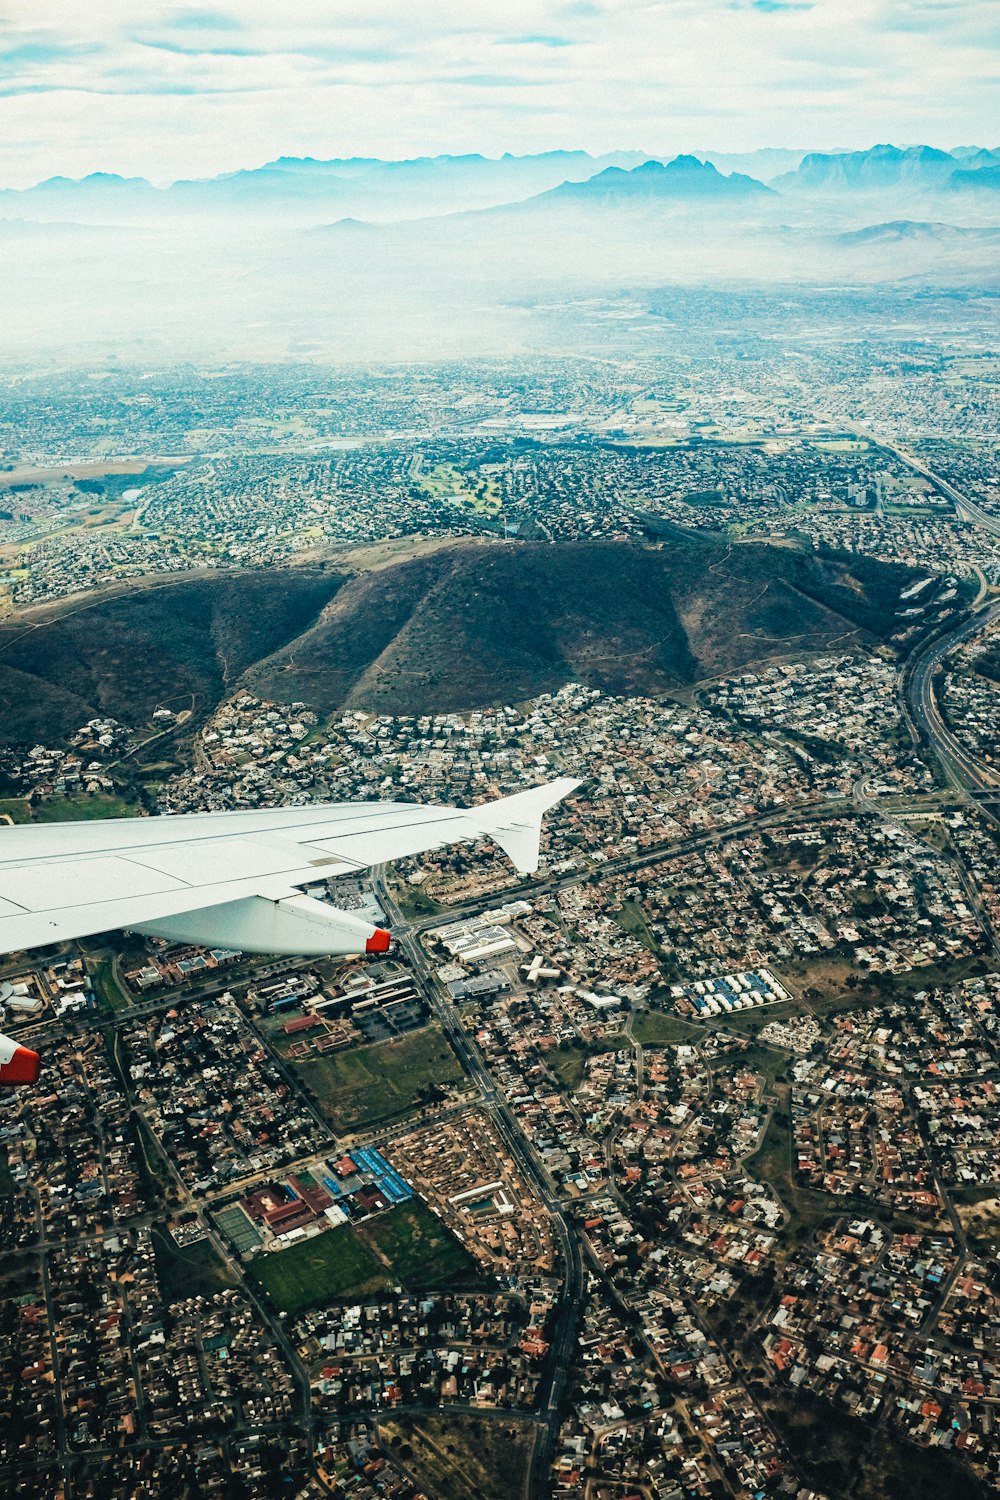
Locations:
{"points": [[853, 1460], [657, 1027], [182, 642], [408, 1246], [106, 987], [772, 1164], [417, 1248], [632, 919], [832, 983], [66, 809], [568, 1061], [335, 1264], [195, 1271], [445, 481], [457, 1457], [6, 1180], [987, 663], [357, 1088], [155, 1182], [414, 902], [774, 1065]]}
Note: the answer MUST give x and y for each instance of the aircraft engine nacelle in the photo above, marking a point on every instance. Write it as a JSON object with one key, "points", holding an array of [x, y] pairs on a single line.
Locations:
{"points": [[295, 924]]}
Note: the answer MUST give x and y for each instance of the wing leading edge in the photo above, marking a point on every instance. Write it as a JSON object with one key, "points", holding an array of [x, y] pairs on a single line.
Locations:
{"points": [[236, 878]]}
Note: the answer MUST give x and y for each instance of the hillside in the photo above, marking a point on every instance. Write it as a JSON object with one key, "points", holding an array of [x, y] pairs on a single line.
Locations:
{"points": [[181, 644], [474, 623], [499, 622]]}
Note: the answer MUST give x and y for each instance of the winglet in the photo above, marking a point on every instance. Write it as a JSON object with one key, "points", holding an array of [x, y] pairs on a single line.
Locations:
{"points": [[515, 823]]}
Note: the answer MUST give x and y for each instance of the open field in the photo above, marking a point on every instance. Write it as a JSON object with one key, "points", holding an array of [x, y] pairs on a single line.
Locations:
{"points": [[357, 1088], [107, 989], [657, 1027], [417, 1248], [458, 1457], [978, 1208], [632, 919], [334, 1264], [414, 902], [831, 983], [67, 809], [408, 1246], [196, 1271], [568, 1061]]}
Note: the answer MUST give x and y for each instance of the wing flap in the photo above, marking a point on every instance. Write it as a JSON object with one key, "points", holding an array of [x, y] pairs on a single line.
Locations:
{"points": [[49, 894]]}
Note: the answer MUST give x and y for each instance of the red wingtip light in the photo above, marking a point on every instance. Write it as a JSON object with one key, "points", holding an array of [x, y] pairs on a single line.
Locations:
{"points": [[23, 1067], [378, 942]]}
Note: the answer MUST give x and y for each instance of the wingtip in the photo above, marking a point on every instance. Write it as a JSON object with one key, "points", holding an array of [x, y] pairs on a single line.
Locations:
{"points": [[24, 1066], [379, 941]]}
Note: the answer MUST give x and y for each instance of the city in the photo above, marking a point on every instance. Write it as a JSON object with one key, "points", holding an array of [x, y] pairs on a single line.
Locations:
{"points": [[499, 751], [640, 1169]]}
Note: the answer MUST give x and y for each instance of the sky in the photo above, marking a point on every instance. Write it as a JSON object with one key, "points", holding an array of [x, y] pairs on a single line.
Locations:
{"points": [[183, 90]]}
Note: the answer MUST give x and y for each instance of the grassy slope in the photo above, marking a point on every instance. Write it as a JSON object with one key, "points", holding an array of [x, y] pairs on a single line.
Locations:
{"points": [[455, 628]]}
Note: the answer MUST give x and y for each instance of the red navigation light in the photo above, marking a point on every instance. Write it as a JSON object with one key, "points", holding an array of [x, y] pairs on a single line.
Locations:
{"points": [[23, 1067], [378, 942]]}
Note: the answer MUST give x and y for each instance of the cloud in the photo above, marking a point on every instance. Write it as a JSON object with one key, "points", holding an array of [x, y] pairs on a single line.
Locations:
{"points": [[203, 20], [540, 41], [86, 88]]}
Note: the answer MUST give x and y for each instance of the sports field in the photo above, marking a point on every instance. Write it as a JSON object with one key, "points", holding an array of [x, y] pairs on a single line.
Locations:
{"points": [[364, 1085], [331, 1265], [419, 1249]]}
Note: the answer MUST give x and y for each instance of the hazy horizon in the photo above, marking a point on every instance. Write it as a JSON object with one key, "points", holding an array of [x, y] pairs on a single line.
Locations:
{"points": [[195, 90]]}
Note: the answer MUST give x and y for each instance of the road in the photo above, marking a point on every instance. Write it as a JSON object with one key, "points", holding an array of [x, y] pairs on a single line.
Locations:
{"points": [[961, 766], [968, 509], [568, 1313]]}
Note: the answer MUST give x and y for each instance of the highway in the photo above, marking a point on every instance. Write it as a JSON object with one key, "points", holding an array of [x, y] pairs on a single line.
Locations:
{"points": [[961, 766], [966, 508]]}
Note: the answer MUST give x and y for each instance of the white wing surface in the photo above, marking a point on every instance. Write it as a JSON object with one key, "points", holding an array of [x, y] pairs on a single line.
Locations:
{"points": [[234, 878]]}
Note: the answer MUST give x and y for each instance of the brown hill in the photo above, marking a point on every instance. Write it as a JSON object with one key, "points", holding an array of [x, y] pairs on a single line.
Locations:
{"points": [[471, 624], [497, 622], [181, 643]]}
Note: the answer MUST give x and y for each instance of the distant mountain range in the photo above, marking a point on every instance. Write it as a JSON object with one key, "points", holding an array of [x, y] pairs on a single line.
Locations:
{"points": [[685, 177], [305, 187], [887, 168], [301, 190], [896, 231]]}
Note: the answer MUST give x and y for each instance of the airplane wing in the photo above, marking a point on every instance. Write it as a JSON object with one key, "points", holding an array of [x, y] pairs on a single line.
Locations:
{"points": [[234, 879]]}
